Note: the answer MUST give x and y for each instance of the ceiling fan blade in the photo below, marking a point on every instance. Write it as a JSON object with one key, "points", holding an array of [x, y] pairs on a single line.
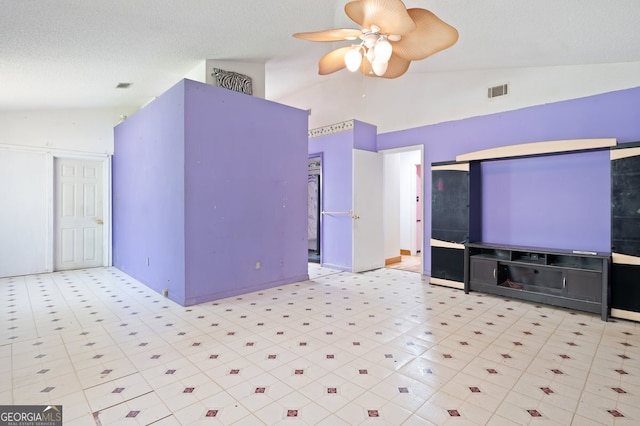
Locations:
{"points": [[389, 15], [330, 35], [397, 66], [431, 36], [333, 61]]}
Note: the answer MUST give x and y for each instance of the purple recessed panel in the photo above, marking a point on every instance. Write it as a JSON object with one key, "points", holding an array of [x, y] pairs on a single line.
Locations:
{"points": [[557, 201]]}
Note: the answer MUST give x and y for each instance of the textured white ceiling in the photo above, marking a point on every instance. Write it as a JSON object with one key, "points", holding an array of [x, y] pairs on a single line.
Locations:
{"points": [[72, 53]]}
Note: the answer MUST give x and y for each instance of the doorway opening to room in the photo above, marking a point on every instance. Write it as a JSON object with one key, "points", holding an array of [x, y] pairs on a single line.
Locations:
{"points": [[314, 207], [403, 208]]}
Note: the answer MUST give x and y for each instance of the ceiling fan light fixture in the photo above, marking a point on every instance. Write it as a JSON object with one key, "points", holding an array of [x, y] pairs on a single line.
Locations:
{"points": [[379, 67], [383, 49], [392, 37], [353, 58]]}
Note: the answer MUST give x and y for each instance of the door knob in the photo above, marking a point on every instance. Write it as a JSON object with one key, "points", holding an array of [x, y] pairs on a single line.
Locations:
{"points": [[99, 221]]}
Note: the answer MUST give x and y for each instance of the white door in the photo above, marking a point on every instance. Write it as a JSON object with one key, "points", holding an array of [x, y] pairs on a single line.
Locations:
{"points": [[78, 214], [368, 232]]}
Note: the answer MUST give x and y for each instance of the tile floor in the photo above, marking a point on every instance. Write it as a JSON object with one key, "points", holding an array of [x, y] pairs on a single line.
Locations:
{"points": [[382, 348]]}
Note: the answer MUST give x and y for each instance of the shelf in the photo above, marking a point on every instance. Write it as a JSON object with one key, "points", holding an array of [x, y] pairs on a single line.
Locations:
{"points": [[572, 279]]}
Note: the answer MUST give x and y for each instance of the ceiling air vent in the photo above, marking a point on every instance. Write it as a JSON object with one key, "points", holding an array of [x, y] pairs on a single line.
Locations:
{"points": [[496, 91], [123, 85]]}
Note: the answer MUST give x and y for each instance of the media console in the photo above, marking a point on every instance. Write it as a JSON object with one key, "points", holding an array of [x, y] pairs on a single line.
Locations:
{"points": [[571, 279]]}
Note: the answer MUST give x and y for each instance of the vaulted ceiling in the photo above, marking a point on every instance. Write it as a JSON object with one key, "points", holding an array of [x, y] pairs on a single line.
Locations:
{"points": [[72, 53]]}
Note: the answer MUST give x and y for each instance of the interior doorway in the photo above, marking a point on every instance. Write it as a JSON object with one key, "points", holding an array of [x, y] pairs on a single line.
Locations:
{"points": [[404, 208], [314, 207]]}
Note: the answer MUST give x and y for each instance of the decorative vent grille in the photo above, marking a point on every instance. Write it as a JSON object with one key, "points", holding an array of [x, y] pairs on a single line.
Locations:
{"points": [[496, 91]]}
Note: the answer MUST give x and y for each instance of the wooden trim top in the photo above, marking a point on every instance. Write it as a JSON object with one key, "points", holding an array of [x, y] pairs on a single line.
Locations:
{"points": [[625, 259], [445, 244], [463, 167], [537, 148], [617, 154]]}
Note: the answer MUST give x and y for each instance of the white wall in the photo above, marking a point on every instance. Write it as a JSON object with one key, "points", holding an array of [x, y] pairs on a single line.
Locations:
{"points": [[81, 130], [418, 99], [24, 215], [198, 73], [391, 204], [29, 140]]}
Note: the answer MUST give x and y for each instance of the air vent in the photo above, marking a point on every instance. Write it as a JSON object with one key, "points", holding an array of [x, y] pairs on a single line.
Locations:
{"points": [[496, 91], [123, 85]]}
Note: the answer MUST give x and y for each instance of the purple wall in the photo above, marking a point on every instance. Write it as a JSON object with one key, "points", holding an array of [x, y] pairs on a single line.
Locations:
{"points": [[246, 198], [337, 168], [365, 136], [148, 194], [210, 182], [614, 114]]}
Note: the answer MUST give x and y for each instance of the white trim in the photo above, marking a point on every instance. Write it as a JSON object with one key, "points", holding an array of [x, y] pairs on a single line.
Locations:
{"points": [[616, 154], [624, 259], [548, 147], [629, 315], [330, 129], [447, 283], [446, 244], [106, 214], [462, 167], [49, 249]]}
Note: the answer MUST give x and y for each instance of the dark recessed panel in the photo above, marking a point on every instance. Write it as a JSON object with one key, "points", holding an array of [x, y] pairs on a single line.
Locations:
{"points": [[447, 263], [450, 205], [625, 206], [625, 287]]}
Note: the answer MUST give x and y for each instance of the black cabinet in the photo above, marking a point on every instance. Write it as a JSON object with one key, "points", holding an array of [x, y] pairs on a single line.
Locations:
{"points": [[577, 280], [486, 271], [583, 285], [625, 231], [452, 195]]}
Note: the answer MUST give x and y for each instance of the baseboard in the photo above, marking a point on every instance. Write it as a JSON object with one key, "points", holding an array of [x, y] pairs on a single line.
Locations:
{"points": [[392, 260], [405, 252], [628, 315], [447, 283]]}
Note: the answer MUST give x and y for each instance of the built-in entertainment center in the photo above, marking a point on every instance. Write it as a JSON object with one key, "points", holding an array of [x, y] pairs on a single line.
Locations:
{"points": [[572, 279], [550, 222]]}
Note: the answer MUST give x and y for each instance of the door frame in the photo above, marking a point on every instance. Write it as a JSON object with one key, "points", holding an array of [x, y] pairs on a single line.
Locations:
{"points": [[411, 148], [106, 202], [320, 201]]}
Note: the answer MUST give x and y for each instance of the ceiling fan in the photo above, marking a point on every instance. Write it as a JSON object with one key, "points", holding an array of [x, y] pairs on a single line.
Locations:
{"points": [[392, 37]]}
